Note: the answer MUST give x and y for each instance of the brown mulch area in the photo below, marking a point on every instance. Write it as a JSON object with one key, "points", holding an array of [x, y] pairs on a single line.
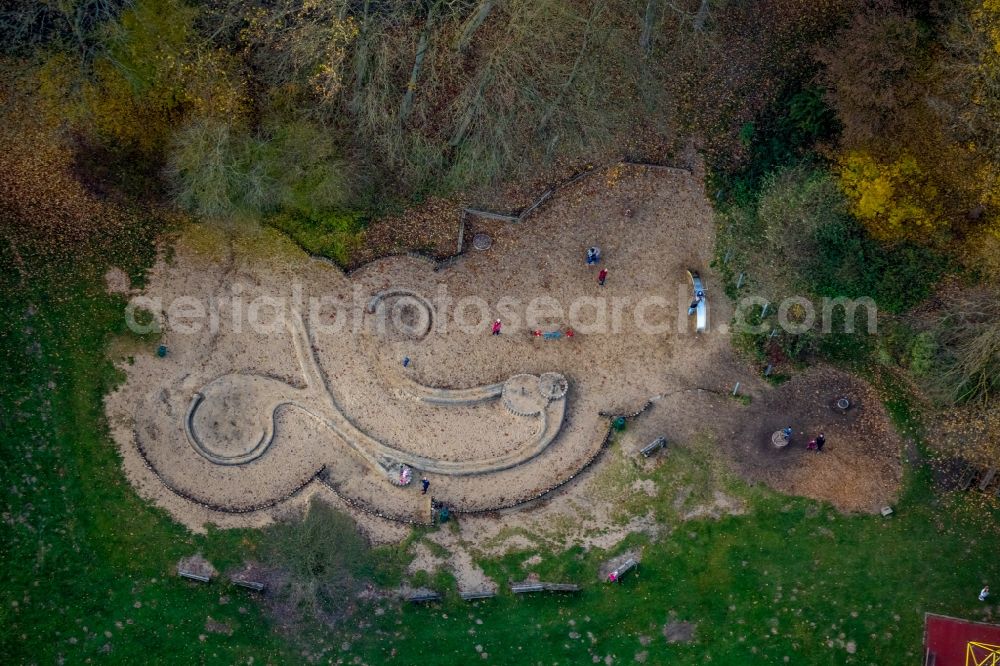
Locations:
{"points": [[858, 470], [430, 227]]}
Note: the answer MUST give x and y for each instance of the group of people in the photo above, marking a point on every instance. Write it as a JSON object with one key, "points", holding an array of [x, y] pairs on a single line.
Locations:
{"points": [[813, 445], [594, 257], [816, 444]]}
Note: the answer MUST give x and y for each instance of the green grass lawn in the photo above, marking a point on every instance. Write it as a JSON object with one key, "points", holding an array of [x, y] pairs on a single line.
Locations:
{"points": [[790, 579], [87, 567]]}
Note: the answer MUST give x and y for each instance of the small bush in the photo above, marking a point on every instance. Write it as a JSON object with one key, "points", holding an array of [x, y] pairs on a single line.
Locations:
{"points": [[969, 352], [923, 351], [334, 235], [849, 263], [324, 556], [220, 171], [795, 202]]}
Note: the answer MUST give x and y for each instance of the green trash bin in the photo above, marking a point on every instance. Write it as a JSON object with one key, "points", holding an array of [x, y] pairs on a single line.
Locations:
{"points": [[619, 423]]}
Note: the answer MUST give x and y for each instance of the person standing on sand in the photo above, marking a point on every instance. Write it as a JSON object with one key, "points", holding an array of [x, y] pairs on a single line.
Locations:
{"points": [[602, 276], [983, 593], [497, 325], [820, 441], [425, 484]]}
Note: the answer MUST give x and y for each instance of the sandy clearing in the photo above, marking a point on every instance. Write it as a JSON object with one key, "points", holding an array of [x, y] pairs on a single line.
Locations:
{"points": [[363, 376]]}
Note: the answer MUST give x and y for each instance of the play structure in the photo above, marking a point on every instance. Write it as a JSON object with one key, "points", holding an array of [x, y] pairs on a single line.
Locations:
{"points": [[699, 304]]}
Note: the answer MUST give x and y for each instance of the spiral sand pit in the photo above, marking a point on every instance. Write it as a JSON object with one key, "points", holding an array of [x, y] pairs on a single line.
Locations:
{"points": [[239, 421]]}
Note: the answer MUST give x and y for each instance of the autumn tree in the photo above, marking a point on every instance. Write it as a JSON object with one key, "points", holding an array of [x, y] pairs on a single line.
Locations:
{"points": [[896, 200], [875, 74], [217, 170], [29, 24], [297, 50], [918, 152], [969, 342], [970, 106], [154, 73]]}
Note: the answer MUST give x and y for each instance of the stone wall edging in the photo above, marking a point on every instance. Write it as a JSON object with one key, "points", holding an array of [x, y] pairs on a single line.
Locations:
{"points": [[221, 508], [438, 263]]}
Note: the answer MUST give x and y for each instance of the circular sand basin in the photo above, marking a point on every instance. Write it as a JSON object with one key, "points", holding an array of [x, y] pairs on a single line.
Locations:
{"points": [[778, 439], [402, 314], [231, 420], [552, 385], [521, 395]]}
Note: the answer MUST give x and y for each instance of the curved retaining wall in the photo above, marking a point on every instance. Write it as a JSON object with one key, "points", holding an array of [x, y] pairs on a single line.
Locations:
{"points": [[322, 477], [222, 508], [437, 263]]}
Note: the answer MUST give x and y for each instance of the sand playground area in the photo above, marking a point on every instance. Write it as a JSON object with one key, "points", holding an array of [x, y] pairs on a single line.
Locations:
{"points": [[281, 378]]}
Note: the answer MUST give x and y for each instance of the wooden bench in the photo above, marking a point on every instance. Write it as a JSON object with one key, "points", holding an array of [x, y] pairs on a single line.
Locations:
{"points": [[625, 567], [653, 446], [423, 597], [988, 478], [248, 584], [561, 587], [522, 588], [481, 594], [193, 575]]}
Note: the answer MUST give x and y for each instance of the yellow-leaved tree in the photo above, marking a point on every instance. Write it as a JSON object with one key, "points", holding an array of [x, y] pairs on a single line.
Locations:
{"points": [[895, 200], [155, 72]]}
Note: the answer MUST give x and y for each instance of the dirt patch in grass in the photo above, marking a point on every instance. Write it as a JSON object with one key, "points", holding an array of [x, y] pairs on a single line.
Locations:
{"points": [[117, 281], [679, 632], [216, 627], [197, 565], [859, 469], [720, 505]]}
